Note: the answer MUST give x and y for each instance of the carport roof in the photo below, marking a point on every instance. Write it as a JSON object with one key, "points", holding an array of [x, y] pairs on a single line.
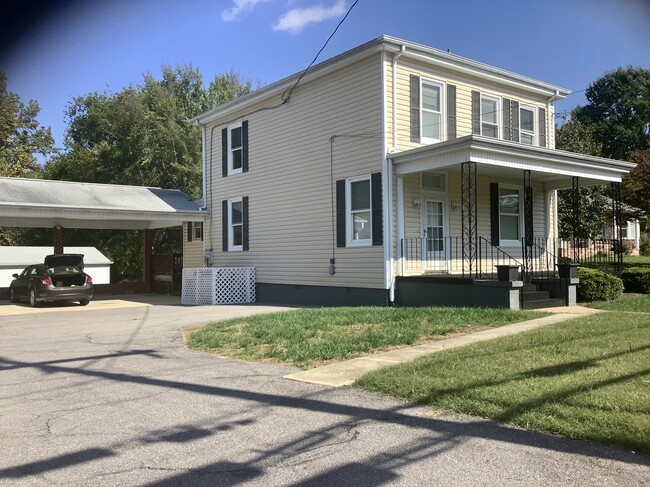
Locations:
{"points": [[68, 204]]}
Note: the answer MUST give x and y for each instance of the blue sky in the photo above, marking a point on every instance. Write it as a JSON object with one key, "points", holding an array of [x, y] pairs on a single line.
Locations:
{"points": [[81, 47]]}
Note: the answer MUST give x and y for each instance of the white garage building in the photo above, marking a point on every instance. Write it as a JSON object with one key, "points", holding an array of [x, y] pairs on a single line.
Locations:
{"points": [[14, 259]]}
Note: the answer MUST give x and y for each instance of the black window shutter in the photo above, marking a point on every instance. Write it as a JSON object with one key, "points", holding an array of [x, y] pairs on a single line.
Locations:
{"points": [[507, 120], [494, 213], [377, 209], [451, 112], [244, 205], [189, 231], [200, 224], [224, 152], [476, 112], [542, 127], [244, 143], [224, 225], [515, 120], [340, 213], [415, 108]]}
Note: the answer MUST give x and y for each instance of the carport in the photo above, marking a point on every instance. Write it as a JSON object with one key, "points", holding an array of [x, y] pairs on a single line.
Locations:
{"points": [[41, 203]]}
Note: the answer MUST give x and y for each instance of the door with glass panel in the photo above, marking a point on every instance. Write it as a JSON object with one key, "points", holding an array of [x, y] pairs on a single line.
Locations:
{"points": [[434, 252]]}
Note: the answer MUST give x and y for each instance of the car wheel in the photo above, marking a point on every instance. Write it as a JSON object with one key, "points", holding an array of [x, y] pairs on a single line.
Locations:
{"points": [[32, 299], [84, 302], [12, 295]]}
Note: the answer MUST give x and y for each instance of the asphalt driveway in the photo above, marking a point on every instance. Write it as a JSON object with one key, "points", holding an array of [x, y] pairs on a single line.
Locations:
{"points": [[107, 395]]}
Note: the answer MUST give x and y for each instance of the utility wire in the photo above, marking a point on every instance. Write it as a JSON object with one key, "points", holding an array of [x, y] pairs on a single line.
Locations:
{"points": [[286, 96]]}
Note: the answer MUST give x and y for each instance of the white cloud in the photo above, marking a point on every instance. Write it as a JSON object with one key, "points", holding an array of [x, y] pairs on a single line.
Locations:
{"points": [[295, 19], [239, 6]]}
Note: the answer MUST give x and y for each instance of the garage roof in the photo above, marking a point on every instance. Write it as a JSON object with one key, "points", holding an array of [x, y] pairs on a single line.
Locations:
{"points": [[68, 204]]}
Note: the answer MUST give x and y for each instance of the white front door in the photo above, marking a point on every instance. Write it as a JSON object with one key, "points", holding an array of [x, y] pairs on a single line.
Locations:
{"points": [[434, 256]]}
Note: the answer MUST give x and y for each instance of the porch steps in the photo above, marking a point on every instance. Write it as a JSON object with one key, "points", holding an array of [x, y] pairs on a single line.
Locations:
{"points": [[532, 298]]}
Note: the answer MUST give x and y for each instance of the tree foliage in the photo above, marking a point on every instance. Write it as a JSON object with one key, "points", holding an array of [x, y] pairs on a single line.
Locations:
{"points": [[618, 110], [575, 136], [636, 185], [141, 136], [21, 135]]}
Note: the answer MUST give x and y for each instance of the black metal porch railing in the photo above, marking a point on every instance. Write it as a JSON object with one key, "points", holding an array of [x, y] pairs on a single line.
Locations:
{"points": [[540, 259], [444, 255], [490, 256], [539, 256], [590, 252]]}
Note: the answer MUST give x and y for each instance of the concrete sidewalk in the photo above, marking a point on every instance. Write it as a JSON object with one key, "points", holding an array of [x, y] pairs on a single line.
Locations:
{"points": [[347, 372]]}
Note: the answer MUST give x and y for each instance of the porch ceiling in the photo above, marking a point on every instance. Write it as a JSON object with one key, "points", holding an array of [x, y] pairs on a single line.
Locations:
{"points": [[552, 167]]}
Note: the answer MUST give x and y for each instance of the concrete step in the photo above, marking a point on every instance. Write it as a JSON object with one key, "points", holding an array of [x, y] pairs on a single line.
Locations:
{"points": [[528, 287], [535, 295], [543, 303]]}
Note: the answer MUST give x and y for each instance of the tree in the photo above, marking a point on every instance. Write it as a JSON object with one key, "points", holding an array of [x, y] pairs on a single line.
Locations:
{"points": [[21, 136], [618, 110], [636, 185], [575, 136], [142, 136]]}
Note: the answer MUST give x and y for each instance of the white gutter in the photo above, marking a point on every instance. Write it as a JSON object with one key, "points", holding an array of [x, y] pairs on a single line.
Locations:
{"points": [[550, 124]]}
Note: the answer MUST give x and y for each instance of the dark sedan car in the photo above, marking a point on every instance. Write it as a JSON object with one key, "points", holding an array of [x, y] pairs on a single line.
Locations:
{"points": [[60, 278]]}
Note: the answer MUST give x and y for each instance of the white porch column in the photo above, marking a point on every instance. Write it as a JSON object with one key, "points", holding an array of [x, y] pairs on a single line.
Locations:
{"points": [[400, 224]]}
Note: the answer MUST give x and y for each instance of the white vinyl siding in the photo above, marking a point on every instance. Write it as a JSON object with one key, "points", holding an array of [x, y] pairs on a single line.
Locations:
{"points": [[192, 251], [291, 184]]}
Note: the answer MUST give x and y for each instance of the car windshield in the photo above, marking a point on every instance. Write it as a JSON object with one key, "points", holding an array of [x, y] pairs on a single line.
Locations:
{"points": [[64, 269]]}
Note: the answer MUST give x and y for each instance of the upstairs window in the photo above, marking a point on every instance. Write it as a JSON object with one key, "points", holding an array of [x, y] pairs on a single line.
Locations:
{"points": [[234, 146], [431, 111], [235, 149], [526, 125], [489, 116]]}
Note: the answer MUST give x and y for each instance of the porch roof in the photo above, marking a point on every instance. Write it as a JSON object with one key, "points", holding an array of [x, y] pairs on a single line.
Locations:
{"points": [[68, 204], [553, 167]]}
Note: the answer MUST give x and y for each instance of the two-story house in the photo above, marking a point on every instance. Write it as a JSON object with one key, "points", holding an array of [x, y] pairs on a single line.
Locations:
{"points": [[393, 172]]}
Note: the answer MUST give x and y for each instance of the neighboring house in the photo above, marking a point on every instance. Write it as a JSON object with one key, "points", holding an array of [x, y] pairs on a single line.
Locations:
{"points": [[393, 172], [630, 227], [14, 259]]}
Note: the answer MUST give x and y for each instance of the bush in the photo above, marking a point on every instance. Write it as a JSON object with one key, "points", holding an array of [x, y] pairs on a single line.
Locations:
{"points": [[597, 285], [636, 280], [644, 244]]}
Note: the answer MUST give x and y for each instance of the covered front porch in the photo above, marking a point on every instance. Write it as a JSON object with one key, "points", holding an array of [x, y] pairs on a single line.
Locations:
{"points": [[475, 206]]}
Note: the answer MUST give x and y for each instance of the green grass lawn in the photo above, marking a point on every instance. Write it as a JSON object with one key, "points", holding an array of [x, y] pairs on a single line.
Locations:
{"points": [[586, 378], [639, 304], [636, 259], [308, 337]]}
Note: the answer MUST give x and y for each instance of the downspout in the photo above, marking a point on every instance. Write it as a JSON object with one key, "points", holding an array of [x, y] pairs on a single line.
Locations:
{"points": [[204, 164], [395, 57], [551, 197], [385, 190]]}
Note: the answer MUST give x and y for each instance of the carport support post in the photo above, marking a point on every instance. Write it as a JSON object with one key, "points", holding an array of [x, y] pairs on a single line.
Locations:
{"points": [[147, 251], [58, 240]]}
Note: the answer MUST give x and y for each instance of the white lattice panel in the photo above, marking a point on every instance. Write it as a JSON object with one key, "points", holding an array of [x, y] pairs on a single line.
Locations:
{"points": [[218, 285]]}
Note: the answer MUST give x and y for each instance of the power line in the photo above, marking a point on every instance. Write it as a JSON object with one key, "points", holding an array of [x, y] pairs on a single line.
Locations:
{"points": [[286, 96]]}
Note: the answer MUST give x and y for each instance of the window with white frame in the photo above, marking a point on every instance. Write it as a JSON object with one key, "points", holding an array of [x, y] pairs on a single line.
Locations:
{"points": [[358, 211], [527, 124], [509, 216], [489, 116], [432, 111], [235, 224], [197, 229], [235, 149]]}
